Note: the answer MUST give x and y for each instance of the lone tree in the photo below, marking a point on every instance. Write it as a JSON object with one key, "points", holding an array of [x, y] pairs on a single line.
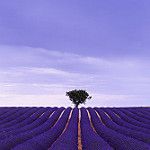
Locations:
{"points": [[78, 96]]}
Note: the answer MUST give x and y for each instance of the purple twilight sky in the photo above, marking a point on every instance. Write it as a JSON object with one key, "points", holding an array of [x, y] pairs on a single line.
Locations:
{"points": [[53, 46]]}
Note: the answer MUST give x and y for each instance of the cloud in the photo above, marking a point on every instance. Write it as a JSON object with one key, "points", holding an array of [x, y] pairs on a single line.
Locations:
{"points": [[44, 81], [98, 100], [23, 56], [32, 100], [36, 71], [84, 29], [47, 71]]}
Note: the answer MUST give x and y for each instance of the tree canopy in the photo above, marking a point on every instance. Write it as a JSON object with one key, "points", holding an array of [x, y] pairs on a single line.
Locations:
{"points": [[78, 96]]}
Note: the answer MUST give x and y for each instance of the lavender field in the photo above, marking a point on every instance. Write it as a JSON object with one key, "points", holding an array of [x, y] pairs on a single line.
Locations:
{"points": [[52, 128]]}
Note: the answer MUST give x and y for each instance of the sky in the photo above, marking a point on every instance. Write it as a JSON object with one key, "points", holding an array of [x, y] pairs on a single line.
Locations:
{"points": [[50, 47]]}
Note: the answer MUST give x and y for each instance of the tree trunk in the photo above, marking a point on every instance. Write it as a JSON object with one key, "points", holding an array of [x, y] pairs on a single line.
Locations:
{"points": [[76, 105]]}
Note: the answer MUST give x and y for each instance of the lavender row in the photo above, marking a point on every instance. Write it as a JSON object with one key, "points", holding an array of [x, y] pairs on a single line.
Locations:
{"points": [[9, 113], [147, 109], [46, 139], [25, 122], [4, 110], [139, 114], [13, 141], [32, 126], [129, 119], [90, 139], [128, 132], [117, 140], [130, 114], [69, 139], [19, 118], [123, 123], [14, 116], [10, 110], [143, 111], [140, 108]]}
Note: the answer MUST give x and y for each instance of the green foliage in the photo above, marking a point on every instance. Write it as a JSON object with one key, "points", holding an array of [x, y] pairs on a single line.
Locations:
{"points": [[78, 96]]}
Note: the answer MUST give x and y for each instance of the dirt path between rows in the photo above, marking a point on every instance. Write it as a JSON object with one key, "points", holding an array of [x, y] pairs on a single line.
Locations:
{"points": [[79, 132]]}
